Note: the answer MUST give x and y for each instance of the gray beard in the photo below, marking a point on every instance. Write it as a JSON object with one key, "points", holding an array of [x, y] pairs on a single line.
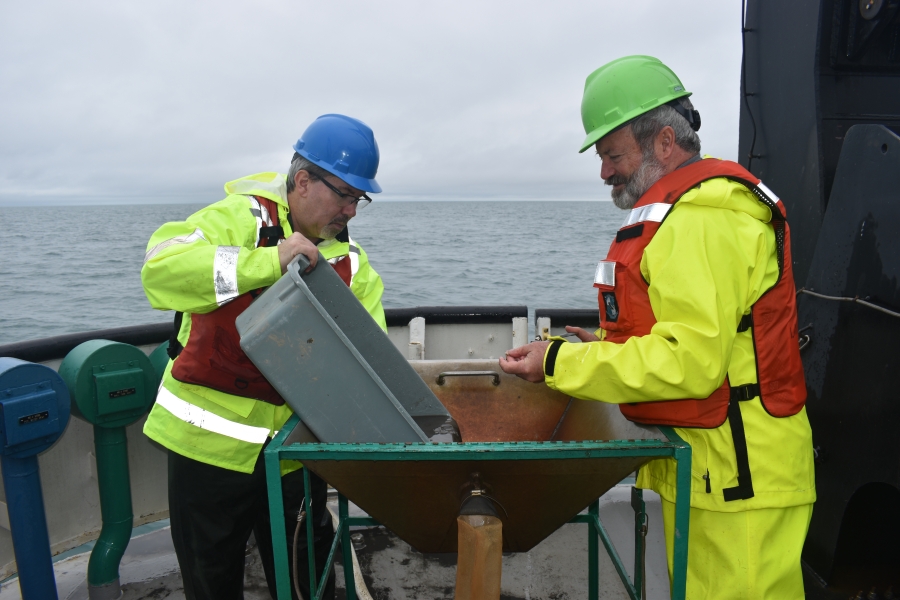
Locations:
{"points": [[650, 171], [330, 231]]}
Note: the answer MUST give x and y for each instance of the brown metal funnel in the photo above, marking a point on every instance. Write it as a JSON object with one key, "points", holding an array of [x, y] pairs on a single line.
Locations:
{"points": [[418, 497]]}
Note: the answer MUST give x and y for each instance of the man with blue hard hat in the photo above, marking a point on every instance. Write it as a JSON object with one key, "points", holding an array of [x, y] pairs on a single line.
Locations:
{"points": [[215, 412]]}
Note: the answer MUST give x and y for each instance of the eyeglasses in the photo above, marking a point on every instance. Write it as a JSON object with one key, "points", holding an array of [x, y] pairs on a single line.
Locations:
{"points": [[348, 199]]}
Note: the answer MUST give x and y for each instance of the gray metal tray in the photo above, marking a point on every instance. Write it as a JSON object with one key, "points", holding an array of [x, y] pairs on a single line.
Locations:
{"points": [[335, 367]]}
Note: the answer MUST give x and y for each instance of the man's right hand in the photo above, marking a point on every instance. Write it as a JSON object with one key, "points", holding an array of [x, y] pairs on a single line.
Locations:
{"points": [[526, 361], [293, 245]]}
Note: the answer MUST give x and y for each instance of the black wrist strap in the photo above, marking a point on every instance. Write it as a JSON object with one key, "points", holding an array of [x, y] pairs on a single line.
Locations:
{"points": [[550, 361]]}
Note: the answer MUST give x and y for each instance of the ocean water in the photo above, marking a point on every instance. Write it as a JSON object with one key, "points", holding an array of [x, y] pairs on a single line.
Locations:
{"points": [[85, 274]]}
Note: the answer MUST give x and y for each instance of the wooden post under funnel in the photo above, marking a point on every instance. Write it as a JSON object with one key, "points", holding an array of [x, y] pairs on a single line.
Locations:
{"points": [[479, 563]]}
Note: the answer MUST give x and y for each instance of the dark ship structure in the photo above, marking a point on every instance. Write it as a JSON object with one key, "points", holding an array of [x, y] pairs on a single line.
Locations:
{"points": [[820, 118]]}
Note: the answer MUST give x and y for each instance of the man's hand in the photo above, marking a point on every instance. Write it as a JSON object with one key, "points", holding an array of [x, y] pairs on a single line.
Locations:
{"points": [[581, 334], [526, 361], [293, 245]]}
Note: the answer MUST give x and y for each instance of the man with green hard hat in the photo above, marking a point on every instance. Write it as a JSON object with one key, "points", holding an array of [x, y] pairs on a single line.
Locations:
{"points": [[214, 411], [698, 331]]}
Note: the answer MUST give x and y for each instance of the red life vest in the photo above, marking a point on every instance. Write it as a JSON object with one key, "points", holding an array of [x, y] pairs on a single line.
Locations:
{"points": [[625, 312], [213, 356]]}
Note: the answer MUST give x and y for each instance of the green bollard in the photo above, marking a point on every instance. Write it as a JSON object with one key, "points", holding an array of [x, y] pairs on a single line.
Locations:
{"points": [[112, 385]]}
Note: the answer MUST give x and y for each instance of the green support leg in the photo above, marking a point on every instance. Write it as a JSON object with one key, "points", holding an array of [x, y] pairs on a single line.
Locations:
{"points": [[347, 549], [279, 534], [614, 557], [682, 522], [593, 552], [329, 562]]}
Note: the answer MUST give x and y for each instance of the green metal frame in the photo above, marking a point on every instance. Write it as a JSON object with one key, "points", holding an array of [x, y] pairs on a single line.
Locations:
{"points": [[674, 447]]}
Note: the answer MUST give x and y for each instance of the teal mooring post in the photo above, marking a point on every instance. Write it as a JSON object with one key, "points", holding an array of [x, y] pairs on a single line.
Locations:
{"points": [[111, 385]]}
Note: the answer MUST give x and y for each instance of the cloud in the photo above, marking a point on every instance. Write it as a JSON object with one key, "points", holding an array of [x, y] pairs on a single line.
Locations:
{"points": [[165, 101]]}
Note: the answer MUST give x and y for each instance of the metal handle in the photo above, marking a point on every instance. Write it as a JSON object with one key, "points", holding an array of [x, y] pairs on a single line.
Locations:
{"points": [[494, 374], [302, 262]]}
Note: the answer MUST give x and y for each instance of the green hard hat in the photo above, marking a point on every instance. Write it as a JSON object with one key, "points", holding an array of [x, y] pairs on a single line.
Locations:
{"points": [[624, 89]]}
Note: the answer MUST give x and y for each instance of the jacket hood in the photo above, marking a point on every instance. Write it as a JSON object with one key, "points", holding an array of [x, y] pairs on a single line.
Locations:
{"points": [[268, 185], [729, 195]]}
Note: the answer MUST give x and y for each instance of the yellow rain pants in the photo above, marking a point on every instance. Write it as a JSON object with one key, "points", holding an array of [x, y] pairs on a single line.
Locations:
{"points": [[749, 555]]}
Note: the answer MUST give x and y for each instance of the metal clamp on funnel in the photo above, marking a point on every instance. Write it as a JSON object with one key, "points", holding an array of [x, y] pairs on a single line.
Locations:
{"points": [[478, 501]]}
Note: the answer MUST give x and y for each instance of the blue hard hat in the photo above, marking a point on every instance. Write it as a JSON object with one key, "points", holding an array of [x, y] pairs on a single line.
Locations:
{"points": [[343, 146]]}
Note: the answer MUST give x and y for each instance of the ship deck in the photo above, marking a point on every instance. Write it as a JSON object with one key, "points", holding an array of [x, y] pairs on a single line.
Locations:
{"points": [[555, 569]]}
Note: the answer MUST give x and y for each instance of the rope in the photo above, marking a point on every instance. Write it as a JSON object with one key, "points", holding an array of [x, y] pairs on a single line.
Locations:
{"points": [[855, 299]]}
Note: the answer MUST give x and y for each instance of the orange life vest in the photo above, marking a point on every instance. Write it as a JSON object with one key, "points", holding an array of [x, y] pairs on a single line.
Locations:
{"points": [[625, 312], [213, 356]]}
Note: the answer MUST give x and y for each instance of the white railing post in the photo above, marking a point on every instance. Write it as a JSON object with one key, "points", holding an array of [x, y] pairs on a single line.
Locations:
{"points": [[416, 348], [543, 328], [519, 331]]}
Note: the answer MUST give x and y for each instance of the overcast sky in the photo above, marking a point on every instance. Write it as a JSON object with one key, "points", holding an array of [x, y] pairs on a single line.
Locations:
{"points": [[164, 101]]}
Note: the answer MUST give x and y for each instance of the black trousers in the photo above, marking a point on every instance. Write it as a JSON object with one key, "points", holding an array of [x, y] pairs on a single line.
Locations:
{"points": [[214, 510]]}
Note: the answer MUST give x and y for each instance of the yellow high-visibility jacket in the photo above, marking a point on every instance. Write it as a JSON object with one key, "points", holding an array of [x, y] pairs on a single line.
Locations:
{"points": [[178, 274], [712, 258]]}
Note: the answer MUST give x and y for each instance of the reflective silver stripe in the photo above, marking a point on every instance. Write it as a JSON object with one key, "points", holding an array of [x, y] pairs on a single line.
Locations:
{"points": [[263, 218], [765, 190], [256, 211], [182, 239], [352, 255], [652, 212], [354, 259], [266, 216], [354, 262], [198, 417], [606, 273], [225, 273]]}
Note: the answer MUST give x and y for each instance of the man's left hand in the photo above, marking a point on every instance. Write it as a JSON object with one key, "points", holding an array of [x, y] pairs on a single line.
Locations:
{"points": [[526, 361], [295, 244]]}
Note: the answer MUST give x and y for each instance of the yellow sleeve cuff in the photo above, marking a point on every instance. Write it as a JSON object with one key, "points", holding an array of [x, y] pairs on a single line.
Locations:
{"points": [[276, 263]]}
